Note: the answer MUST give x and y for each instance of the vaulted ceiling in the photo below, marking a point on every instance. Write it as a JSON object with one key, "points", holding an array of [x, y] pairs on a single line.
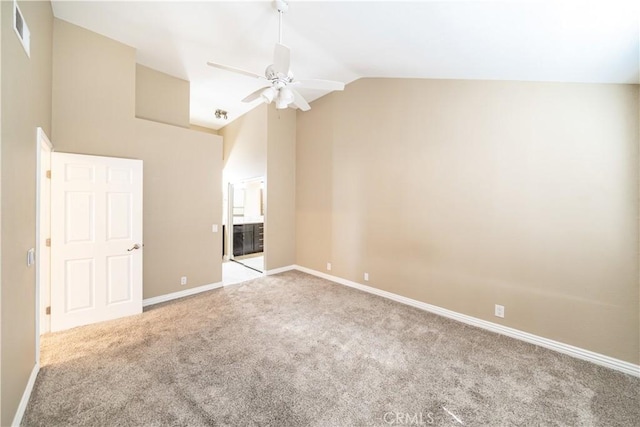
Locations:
{"points": [[557, 41]]}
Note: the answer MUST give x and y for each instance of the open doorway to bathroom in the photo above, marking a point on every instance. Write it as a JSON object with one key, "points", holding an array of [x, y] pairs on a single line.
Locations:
{"points": [[244, 231]]}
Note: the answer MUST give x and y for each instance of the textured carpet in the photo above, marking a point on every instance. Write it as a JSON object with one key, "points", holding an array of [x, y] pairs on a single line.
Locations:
{"points": [[295, 350]]}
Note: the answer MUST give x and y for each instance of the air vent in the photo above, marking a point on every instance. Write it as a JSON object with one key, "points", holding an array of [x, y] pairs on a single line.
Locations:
{"points": [[21, 28]]}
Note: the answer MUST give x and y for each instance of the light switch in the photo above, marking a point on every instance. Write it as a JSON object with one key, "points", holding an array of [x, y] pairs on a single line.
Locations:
{"points": [[214, 228]]}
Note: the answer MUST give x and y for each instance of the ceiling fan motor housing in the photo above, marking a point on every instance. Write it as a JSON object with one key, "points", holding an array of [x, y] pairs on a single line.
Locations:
{"points": [[282, 6]]}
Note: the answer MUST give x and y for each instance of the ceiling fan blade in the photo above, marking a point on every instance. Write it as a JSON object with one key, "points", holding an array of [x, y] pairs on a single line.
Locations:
{"points": [[234, 70], [254, 95], [281, 59], [299, 101], [322, 84]]}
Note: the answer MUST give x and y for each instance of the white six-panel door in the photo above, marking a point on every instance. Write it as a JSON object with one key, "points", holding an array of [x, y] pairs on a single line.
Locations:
{"points": [[96, 239]]}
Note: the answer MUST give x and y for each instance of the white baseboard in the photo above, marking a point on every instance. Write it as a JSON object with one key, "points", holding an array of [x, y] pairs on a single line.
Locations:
{"points": [[577, 352], [17, 419], [280, 270], [180, 294]]}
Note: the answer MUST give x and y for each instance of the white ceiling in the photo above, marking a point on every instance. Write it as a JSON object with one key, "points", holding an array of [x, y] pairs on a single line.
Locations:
{"points": [[560, 41]]}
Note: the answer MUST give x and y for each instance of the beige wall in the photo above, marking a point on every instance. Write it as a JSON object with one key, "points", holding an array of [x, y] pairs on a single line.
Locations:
{"points": [[93, 113], [262, 143], [161, 97], [314, 184], [203, 129], [26, 105], [245, 154], [466, 194], [245, 146], [280, 212]]}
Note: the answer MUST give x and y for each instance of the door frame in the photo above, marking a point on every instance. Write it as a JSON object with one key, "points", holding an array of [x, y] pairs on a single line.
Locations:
{"points": [[230, 195], [230, 218], [229, 227], [44, 147]]}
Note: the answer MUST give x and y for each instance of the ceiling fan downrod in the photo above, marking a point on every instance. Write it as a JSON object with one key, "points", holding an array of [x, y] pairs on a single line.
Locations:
{"points": [[282, 6]]}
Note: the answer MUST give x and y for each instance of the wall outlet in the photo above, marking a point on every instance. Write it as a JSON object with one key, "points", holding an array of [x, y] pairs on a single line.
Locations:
{"points": [[328, 266], [366, 277], [499, 310], [183, 280]]}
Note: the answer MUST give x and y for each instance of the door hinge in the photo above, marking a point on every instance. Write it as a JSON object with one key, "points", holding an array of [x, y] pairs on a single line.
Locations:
{"points": [[49, 174], [48, 242], [48, 310]]}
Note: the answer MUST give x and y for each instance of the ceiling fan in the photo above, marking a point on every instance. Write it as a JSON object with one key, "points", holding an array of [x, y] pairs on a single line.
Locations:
{"points": [[279, 83]]}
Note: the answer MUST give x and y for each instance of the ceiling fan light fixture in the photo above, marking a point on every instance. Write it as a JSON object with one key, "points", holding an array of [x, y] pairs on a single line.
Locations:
{"points": [[268, 94], [281, 105], [285, 96]]}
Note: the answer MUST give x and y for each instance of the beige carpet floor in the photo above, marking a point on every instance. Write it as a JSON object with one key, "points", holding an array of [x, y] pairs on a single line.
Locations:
{"points": [[295, 350]]}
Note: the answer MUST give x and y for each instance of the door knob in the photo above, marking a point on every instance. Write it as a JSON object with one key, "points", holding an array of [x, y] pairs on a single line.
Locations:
{"points": [[136, 246]]}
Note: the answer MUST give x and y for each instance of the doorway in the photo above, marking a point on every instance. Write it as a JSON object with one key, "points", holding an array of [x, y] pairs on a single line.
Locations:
{"points": [[244, 231]]}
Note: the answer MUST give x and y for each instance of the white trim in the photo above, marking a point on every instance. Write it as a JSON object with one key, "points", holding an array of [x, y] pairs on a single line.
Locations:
{"points": [[577, 352], [280, 270], [180, 294], [17, 419], [41, 137]]}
